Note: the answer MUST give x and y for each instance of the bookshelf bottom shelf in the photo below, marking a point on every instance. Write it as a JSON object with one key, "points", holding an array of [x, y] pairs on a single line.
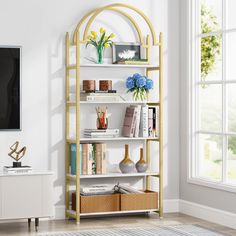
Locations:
{"points": [[72, 214]]}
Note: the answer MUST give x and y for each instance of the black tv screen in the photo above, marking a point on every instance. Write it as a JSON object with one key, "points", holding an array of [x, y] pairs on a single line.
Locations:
{"points": [[10, 60]]}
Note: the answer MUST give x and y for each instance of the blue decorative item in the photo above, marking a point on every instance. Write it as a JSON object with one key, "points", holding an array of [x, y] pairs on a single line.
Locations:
{"points": [[139, 85]]}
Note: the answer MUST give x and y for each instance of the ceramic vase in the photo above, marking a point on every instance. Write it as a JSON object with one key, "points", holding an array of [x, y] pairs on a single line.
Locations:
{"points": [[126, 165], [141, 165]]}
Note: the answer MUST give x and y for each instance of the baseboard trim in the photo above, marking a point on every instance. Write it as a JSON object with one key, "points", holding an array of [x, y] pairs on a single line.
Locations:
{"points": [[171, 205], [208, 213]]}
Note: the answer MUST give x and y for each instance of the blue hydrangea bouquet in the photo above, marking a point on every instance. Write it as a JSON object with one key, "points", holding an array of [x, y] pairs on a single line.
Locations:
{"points": [[139, 85]]}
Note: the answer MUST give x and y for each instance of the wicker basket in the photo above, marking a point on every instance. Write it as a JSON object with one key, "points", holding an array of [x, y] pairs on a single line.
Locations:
{"points": [[149, 200], [99, 203]]}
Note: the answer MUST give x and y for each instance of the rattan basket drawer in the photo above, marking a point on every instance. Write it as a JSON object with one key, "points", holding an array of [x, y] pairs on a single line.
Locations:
{"points": [[149, 200], [100, 203]]}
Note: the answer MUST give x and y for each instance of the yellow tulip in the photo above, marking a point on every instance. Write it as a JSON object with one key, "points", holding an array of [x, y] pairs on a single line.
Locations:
{"points": [[94, 34], [106, 45], [112, 36], [102, 30], [89, 37]]}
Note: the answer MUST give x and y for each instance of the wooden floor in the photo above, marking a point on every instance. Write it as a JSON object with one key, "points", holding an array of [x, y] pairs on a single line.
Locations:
{"points": [[21, 228]]}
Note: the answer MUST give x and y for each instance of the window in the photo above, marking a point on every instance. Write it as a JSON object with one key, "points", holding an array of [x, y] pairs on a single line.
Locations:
{"points": [[213, 70]]}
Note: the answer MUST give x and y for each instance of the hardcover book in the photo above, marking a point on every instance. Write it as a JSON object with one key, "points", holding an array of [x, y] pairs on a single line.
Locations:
{"points": [[144, 122], [129, 122]]}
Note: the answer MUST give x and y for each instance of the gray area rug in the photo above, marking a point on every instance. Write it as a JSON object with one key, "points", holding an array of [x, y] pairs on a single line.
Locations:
{"points": [[177, 230]]}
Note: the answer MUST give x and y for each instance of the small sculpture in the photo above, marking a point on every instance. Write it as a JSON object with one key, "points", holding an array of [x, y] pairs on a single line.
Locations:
{"points": [[126, 165], [16, 154]]}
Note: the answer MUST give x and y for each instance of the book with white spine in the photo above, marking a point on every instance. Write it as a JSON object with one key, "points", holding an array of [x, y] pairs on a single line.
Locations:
{"points": [[144, 122]]}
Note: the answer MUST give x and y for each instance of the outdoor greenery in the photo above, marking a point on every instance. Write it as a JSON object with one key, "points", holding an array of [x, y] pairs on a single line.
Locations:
{"points": [[211, 45], [211, 111]]}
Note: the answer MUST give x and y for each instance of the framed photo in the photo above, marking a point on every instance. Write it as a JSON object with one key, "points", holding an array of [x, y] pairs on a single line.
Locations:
{"points": [[126, 51]]}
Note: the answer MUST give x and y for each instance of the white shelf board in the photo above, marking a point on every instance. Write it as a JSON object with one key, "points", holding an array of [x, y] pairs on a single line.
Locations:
{"points": [[114, 175], [73, 66], [112, 139], [72, 103], [73, 213]]}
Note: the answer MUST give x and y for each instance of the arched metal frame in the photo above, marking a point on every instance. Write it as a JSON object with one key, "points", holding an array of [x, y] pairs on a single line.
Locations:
{"points": [[113, 7], [90, 17]]}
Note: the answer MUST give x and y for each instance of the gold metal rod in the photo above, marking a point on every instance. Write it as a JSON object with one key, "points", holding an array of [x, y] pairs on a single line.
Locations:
{"points": [[67, 148], [161, 109], [148, 49], [77, 129]]}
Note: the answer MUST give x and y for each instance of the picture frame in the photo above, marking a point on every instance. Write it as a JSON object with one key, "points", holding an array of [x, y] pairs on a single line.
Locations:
{"points": [[126, 52]]}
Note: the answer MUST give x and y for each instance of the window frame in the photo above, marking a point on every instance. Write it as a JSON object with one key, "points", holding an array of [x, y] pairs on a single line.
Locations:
{"points": [[193, 112]]}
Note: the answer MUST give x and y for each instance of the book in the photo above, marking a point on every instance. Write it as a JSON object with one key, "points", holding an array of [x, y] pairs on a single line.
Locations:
{"points": [[106, 131], [100, 96], [17, 170], [144, 122], [99, 133], [129, 122], [84, 158], [96, 188], [104, 159], [98, 158], [150, 122], [137, 125], [94, 165], [73, 159], [155, 115], [89, 160]]}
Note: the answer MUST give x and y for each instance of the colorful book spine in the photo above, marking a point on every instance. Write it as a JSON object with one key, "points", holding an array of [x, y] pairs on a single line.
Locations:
{"points": [[137, 123], [84, 158], [129, 122], [98, 158], [150, 121], [90, 160], [73, 159], [104, 159], [94, 159]]}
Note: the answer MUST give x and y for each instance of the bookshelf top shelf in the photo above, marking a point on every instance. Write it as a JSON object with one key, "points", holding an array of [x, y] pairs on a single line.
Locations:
{"points": [[113, 175], [153, 67], [113, 139], [72, 103]]}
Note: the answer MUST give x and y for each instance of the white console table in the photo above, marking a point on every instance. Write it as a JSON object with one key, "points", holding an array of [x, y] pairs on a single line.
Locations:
{"points": [[27, 195]]}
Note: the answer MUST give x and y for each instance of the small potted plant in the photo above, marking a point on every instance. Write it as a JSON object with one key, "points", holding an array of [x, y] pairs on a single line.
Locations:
{"points": [[139, 85], [100, 42]]}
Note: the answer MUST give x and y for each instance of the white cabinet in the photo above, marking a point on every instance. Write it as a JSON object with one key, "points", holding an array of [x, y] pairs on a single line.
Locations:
{"points": [[26, 195]]}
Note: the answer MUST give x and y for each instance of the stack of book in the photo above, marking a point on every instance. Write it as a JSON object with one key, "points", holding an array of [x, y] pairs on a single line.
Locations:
{"points": [[99, 189], [101, 133], [141, 121], [93, 159], [17, 170], [99, 96]]}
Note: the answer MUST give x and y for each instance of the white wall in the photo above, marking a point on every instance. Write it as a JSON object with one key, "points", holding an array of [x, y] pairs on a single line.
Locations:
{"points": [[210, 197], [39, 26]]}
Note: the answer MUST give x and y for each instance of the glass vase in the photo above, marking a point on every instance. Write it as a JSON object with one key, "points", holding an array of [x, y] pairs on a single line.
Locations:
{"points": [[100, 51]]}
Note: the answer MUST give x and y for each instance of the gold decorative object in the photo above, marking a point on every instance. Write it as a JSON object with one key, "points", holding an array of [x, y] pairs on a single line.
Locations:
{"points": [[16, 153], [126, 165], [141, 165]]}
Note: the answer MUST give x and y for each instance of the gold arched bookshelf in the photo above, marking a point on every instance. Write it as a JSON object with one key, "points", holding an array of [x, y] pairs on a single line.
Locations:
{"points": [[79, 38]]}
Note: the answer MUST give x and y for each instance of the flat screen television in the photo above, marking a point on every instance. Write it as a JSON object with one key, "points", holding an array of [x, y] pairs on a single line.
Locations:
{"points": [[10, 83]]}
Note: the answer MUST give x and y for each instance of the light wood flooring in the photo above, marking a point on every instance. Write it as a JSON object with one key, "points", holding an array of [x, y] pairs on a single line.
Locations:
{"points": [[21, 228]]}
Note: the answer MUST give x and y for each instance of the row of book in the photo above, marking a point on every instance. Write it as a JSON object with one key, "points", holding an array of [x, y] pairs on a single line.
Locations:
{"points": [[92, 159], [141, 121]]}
